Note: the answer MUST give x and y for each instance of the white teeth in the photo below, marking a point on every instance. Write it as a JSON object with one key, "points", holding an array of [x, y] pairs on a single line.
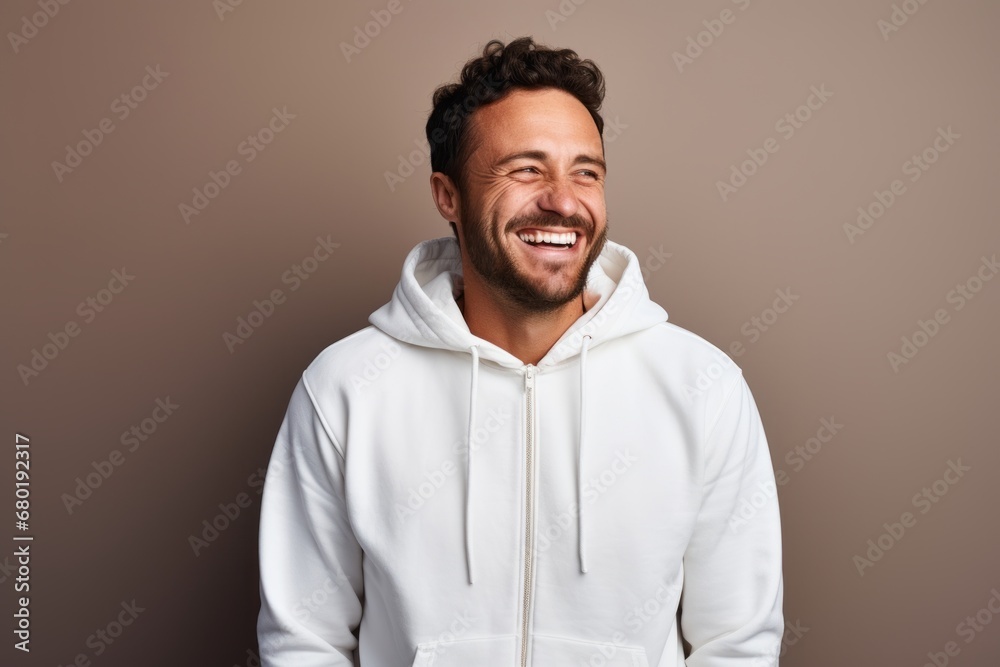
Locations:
{"points": [[567, 238]]}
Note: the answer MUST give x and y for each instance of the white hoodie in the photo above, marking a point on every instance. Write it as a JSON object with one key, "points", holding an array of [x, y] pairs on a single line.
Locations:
{"points": [[432, 500]]}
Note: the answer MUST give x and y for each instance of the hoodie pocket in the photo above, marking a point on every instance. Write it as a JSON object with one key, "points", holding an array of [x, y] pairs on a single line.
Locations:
{"points": [[467, 652], [561, 651]]}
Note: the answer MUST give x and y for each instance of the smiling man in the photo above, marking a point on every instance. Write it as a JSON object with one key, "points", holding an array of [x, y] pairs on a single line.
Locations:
{"points": [[520, 462], [534, 222]]}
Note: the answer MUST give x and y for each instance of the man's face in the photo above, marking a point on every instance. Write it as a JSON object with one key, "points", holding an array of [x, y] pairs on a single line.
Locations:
{"points": [[536, 168]]}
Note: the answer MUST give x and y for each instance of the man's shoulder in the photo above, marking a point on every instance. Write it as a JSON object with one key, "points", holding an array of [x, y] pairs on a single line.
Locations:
{"points": [[365, 351], [679, 344], [697, 368], [694, 369]]}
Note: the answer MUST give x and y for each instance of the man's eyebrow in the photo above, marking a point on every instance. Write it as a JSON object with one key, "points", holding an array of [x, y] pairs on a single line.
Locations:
{"points": [[582, 158]]}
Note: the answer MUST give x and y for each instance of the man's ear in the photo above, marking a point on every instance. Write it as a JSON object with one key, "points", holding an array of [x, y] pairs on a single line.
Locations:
{"points": [[445, 196]]}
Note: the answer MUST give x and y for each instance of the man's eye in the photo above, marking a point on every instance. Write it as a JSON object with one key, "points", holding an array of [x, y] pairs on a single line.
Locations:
{"points": [[592, 174], [527, 168]]}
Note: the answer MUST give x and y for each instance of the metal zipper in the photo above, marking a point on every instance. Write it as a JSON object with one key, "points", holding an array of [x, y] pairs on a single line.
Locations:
{"points": [[529, 390]]}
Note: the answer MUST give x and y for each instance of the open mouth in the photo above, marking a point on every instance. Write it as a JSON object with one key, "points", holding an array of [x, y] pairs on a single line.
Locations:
{"points": [[556, 240]]}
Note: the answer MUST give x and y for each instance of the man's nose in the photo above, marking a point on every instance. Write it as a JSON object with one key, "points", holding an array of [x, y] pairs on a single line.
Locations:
{"points": [[560, 197]]}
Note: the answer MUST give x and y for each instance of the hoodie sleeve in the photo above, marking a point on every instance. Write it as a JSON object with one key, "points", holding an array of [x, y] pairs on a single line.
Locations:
{"points": [[731, 605], [311, 585]]}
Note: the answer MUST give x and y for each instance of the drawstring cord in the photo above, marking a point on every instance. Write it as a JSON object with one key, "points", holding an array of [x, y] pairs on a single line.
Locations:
{"points": [[468, 465], [473, 391], [579, 469]]}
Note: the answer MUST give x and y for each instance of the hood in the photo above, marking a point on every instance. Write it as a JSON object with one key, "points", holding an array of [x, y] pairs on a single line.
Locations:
{"points": [[423, 311]]}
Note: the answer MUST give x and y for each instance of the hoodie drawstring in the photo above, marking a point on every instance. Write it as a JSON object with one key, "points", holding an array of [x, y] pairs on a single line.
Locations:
{"points": [[579, 468], [468, 461], [473, 391]]}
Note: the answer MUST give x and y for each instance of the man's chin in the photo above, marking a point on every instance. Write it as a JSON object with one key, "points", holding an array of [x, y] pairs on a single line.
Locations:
{"points": [[530, 281], [526, 294]]}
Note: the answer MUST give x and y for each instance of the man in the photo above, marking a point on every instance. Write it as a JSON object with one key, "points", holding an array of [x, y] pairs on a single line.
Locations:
{"points": [[520, 462]]}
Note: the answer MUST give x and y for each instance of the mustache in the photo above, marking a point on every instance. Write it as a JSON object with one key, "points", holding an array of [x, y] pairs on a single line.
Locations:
{"points": [[575, 222]]}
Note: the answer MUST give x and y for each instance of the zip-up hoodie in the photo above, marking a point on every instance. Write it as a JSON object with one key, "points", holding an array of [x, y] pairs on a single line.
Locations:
{"points": [[432, 500]]}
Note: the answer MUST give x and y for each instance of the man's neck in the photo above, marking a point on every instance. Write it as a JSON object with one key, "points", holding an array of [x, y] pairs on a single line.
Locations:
{"points": [[526, 335]]}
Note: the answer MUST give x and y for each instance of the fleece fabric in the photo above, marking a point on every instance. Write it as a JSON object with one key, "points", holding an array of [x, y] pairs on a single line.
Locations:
{"points": [[432, 500]]}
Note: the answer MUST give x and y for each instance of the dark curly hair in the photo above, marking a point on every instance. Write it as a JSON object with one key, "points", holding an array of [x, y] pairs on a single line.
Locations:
{"points": [[521, 64]]}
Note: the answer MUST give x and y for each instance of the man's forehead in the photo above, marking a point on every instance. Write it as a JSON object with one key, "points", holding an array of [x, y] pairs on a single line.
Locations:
{"points": [[533, 120]]}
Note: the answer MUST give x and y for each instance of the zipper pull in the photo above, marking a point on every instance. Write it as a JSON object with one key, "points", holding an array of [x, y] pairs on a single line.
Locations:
{"points": [[529, 377]]}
